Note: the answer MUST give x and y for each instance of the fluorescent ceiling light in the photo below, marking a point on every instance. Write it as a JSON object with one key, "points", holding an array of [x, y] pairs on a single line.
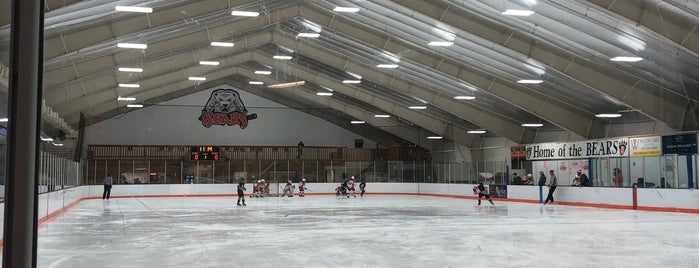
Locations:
{"points": [[324, 93], [608, 115], [263, 72], [3, 120], [530, 81], [476, 131], [245, 13], [212, 63], [134, 9], [440, 43], [346, 9], [130, 85], [626, 59], [196, 78], [357, 122], [57, 144], [434, 137], [290, 84], [517, 12], [382, 116], [134, 105], [131, 70], [46, 139], [132, 45], [126, 98], [465, 97], [222, 44], [532, 125], [281, 57], [389, 66], [351, 81], [255, 83], [417, 107], [312, 35]]}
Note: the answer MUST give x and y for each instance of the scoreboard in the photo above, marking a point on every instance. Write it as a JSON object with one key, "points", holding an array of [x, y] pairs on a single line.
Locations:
{"points": [[205, 153]]}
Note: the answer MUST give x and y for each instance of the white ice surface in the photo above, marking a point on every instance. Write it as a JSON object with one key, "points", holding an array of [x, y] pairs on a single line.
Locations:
{"points": [[374, 231]]}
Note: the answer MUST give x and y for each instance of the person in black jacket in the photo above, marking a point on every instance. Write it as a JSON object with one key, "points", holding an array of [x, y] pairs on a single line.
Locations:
{"points": [[553, 183], [542, 178], [362, 185], [107, 186], [241, 191], [482, 192]]}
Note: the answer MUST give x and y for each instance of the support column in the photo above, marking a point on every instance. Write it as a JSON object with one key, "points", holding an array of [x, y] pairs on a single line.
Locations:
{"points": [[21, 204]]}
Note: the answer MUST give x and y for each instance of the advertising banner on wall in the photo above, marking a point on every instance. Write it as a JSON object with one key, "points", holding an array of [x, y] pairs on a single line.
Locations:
{"points": [[645, 146], [616, 147], [680, 144], [497, 190], [519, 150]]}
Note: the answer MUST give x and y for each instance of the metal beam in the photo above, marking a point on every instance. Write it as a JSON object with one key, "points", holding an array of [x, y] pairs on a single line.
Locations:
{"points": [[23, 151], [554, 111], [106, 99], [631, 90], [424, 121], [662, 18], [476, 115], [406, 133]]}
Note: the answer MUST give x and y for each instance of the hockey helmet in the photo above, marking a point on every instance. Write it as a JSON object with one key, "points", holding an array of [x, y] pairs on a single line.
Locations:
{"points": [[303, 179]]}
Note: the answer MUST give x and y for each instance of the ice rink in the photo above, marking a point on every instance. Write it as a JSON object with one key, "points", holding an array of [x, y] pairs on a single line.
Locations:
{"points": [[374, 231]]}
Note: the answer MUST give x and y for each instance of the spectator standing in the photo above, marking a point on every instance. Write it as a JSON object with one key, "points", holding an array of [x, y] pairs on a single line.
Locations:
{"points": [[640, 183], [542, 178], [553, 183], [584, 180], [618, 177], [663, 184], [299, 149], [107, 186], [516, 180]]}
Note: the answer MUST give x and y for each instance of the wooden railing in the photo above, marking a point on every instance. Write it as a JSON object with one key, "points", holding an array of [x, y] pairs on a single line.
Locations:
{"points": [[108, 152]]}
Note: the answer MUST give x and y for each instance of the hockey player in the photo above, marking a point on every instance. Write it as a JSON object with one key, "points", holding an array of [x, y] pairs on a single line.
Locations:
{"points": [[350, 188], [265, 188], [256, 189], [288, 189], [241, 192], [362, 185], [482, 192], [260, 188], [302, 188]]}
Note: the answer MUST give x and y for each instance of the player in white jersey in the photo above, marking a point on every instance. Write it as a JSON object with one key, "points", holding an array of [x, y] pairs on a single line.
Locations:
{"points": [[256, 189], [350, 188], [302, 188], [288, 190]]}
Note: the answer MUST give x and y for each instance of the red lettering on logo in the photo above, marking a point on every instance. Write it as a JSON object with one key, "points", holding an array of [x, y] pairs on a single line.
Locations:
{"points": [[209, 119]]}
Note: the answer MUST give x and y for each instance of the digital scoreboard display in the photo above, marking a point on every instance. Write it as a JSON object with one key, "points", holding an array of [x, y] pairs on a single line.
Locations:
{"points": [[205, 153]]}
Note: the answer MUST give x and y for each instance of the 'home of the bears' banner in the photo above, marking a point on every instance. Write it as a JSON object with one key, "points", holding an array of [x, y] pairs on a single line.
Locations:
{"points": [[616, 147]]}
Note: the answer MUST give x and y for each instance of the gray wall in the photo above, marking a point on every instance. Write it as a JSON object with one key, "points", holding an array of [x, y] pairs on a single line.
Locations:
{"points": [[175, 122]]}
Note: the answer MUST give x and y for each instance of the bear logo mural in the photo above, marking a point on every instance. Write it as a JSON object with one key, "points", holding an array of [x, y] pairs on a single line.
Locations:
{"points": [[225, 108]]}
